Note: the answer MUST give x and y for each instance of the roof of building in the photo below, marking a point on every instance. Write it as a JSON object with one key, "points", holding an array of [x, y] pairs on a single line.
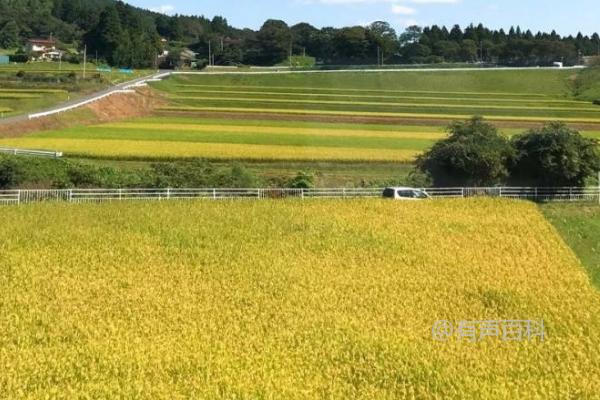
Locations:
{"points": [[42, 41]]}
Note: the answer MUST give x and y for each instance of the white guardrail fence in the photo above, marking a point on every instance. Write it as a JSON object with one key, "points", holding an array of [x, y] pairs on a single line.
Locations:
{"points": [[37, 153], [27, 196]]}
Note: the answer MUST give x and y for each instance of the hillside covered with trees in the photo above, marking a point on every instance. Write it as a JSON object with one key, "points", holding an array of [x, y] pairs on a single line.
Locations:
{"points": [[123, 35]]}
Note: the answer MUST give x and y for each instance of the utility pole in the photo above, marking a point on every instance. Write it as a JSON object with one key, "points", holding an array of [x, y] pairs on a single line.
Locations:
{"points": [[84, 60], [481, 45], [209, 53]]}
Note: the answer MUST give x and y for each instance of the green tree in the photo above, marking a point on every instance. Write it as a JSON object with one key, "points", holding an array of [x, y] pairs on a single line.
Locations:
{"points": [[554, 156], [11, 173], [107, 36], [275, 40], [475, 154], [9, 35]]}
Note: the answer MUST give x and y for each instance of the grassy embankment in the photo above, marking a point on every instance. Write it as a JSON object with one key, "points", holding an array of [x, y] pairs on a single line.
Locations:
{"points": [[579, 225]]}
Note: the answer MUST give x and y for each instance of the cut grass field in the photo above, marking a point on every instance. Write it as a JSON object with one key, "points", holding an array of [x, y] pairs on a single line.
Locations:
{"points": [[290, 300], [579, 225]]}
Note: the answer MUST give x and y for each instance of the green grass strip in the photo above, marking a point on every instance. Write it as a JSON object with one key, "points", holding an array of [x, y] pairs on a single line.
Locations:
{"points": [[368, 114], [371, 103]]}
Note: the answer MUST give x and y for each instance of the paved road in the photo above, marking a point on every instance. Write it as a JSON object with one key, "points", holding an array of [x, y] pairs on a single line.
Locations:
{"points": [[88, 97]]}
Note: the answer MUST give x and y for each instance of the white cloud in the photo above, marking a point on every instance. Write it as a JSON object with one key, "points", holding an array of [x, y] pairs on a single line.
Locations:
{"points": [[164, 9], [383, 1], [399, 9], [434, 1]]}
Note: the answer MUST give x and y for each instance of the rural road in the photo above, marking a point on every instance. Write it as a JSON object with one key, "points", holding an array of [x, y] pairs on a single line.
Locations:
{"points": [[83, 99], [165, 73]]}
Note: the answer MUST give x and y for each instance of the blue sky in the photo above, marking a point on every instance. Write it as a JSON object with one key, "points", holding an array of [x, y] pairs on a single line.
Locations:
{"points": [[565, 16]]}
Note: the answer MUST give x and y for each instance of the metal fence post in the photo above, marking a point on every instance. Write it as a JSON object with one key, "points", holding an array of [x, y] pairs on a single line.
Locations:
{"points": [[214, 194], [302, 194], [120, 194], [70, 195], [168, 194]]}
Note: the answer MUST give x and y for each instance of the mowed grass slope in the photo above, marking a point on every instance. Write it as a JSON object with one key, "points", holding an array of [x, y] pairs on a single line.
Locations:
{"points": [[579, 225], [532, 95], [290, 300]]}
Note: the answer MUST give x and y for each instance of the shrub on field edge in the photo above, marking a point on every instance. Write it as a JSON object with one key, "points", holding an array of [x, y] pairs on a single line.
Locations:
{"points": [[475, 154], [554, 155], [11, 173], [303, 180]]}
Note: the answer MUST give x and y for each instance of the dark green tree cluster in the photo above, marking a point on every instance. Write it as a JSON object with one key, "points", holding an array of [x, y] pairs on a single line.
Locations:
{"points": [[478, 43], [476, 154], [124, 37], [128, 36]]}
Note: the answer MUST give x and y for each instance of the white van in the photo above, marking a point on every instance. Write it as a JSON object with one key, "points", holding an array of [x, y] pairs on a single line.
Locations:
{"points": [[405, 193]]}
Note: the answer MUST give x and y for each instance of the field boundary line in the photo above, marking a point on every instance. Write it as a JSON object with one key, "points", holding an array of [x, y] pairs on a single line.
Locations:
{"points": [[540, 194]]}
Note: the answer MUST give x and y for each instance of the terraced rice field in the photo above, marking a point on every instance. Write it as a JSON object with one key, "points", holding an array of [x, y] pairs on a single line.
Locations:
{"points": [[220, 139], [16, 101], [498, 95], [290, 299], [219, 116], [252, 140]]}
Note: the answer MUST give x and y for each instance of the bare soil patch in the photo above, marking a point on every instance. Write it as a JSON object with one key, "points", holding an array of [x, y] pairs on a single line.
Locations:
{"points": [[110, 109]]}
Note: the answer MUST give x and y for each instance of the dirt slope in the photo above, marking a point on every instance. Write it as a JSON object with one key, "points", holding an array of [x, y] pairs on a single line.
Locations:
{"points": [[110, 109]]}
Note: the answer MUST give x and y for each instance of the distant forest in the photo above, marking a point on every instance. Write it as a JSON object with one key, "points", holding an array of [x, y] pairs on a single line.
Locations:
{"points": [[122, 35]]}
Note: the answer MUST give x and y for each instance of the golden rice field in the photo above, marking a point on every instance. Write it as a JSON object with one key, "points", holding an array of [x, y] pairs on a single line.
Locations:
{"points": [[171, 150], [290, 299], [449, 117], [164, 137]]}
